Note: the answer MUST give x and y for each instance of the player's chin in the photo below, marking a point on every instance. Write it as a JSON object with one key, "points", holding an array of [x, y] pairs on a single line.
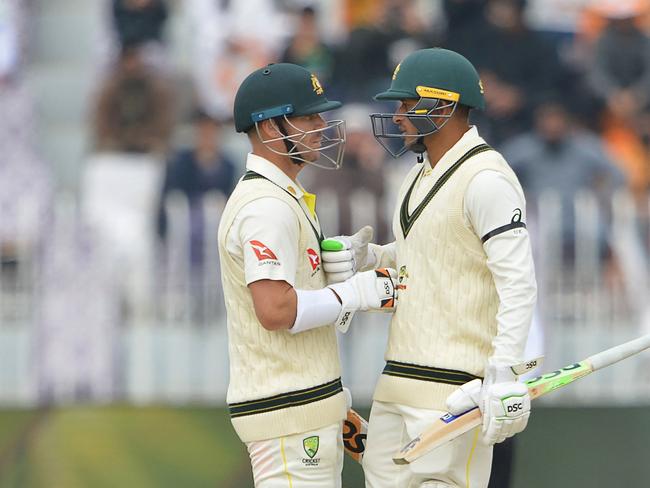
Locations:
{"points": [[312, 156], [410, 139]]}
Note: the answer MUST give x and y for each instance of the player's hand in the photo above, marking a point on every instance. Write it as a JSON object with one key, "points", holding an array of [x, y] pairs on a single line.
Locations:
{"points": [[369, 290], [343, 256], [504, 403]]}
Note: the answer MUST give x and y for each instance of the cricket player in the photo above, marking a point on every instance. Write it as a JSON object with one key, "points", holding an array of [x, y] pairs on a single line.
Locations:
{"points": [[466, 280], [285, 395]]}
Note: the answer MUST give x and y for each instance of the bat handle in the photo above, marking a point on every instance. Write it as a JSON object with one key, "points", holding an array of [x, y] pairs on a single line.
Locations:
{"points": [[616, 354]]}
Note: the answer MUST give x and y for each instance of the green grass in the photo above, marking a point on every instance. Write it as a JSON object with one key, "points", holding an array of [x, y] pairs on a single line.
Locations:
{"points": [[120, 446], [131, 447], [12, 423]]}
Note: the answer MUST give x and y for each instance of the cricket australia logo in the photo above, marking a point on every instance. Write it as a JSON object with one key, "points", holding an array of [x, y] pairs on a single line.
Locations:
{"points": [[318, 88], [310, 445]]}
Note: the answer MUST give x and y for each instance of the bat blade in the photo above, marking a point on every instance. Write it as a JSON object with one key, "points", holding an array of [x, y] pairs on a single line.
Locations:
{"points": [[355, 432], [449, 426], [445, 429]]}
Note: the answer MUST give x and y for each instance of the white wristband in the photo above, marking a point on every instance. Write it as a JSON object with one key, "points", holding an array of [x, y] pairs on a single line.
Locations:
{"points": [[315, 308]]}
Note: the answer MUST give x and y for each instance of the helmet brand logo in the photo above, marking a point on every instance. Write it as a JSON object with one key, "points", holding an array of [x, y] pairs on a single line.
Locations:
{"points": [[318, 88], [429, 92]]}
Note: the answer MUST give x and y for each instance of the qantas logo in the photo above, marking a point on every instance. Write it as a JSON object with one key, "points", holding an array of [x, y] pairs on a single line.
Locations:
{"points": [[314, 260], [262, 252]]}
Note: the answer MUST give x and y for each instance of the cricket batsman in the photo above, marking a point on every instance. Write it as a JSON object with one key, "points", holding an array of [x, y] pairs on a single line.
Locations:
{"points": [[466, 280], [285, 396]]}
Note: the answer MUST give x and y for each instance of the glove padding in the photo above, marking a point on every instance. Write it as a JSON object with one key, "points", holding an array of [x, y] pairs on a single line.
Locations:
{"points": [[342, 256], [370, 290], [504, 403]]}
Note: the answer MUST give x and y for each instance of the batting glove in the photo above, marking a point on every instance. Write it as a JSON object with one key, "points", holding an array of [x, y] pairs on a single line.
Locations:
{"points": [[504, 403], [370, 290], [343, 256]]}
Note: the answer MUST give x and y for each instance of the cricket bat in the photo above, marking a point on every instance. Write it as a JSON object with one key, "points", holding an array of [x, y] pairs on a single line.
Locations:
{"points": [[355, 431], [450, 426]]}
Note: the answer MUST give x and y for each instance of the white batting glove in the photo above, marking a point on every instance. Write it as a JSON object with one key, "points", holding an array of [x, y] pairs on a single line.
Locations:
{"points": [[343, 256], [370, 290], [504, 403]]}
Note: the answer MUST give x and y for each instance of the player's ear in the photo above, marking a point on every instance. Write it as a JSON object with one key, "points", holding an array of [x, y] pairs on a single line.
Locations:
{"points": [[268, 129]]}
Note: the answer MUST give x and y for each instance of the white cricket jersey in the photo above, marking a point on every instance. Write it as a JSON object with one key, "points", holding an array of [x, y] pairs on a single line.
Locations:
{"points": [[280, 383], [466, 277], [271, 223]]}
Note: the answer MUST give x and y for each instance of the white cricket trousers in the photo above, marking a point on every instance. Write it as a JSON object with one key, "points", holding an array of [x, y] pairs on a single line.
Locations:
{"points": [[464, 462], [311, 459]]}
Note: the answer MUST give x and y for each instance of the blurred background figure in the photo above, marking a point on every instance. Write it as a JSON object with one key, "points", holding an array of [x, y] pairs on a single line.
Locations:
{"points": [[620, 79], [306, 48], [142, 22], [231, 39], [516, 65], [195, 172], [134, 109], [133, 121], [557, 159], [25, 179], [139, 21]]}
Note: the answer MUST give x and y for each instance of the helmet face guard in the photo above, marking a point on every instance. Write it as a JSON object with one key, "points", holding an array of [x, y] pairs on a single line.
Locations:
{"points": [[331, 146], [426, 116]]}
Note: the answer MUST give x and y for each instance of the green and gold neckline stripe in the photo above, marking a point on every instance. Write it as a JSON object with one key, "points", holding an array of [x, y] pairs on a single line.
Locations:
{"points": [[252, 175], [407, 220]]}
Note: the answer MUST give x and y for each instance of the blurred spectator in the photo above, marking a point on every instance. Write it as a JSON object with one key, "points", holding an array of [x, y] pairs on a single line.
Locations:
{"points": [[411, 27], [134, 110], [620, 72], [560, 159], [231, 39], [381, 34], [194, 172], [463, 17], [362, 62], [516, 67], [139, 21], [307, 49], [620, 78], [133, 121], [25, 181]]}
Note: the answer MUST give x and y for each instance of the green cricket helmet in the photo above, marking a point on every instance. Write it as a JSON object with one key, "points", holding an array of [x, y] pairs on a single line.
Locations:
{"points": [[438, 79], [280, 92]]}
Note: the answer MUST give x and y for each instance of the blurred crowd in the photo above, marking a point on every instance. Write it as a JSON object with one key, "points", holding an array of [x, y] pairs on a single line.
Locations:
{"points": [[567, 85]]}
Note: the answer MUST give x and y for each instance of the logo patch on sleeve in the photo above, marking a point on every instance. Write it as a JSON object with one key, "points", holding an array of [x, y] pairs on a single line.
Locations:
{"points": [[262, 252], [314, 259]]}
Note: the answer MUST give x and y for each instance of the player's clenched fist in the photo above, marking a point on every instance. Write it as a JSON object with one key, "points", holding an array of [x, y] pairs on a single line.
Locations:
{"points": [[370, 290], [504, 403], [345, 255]]}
